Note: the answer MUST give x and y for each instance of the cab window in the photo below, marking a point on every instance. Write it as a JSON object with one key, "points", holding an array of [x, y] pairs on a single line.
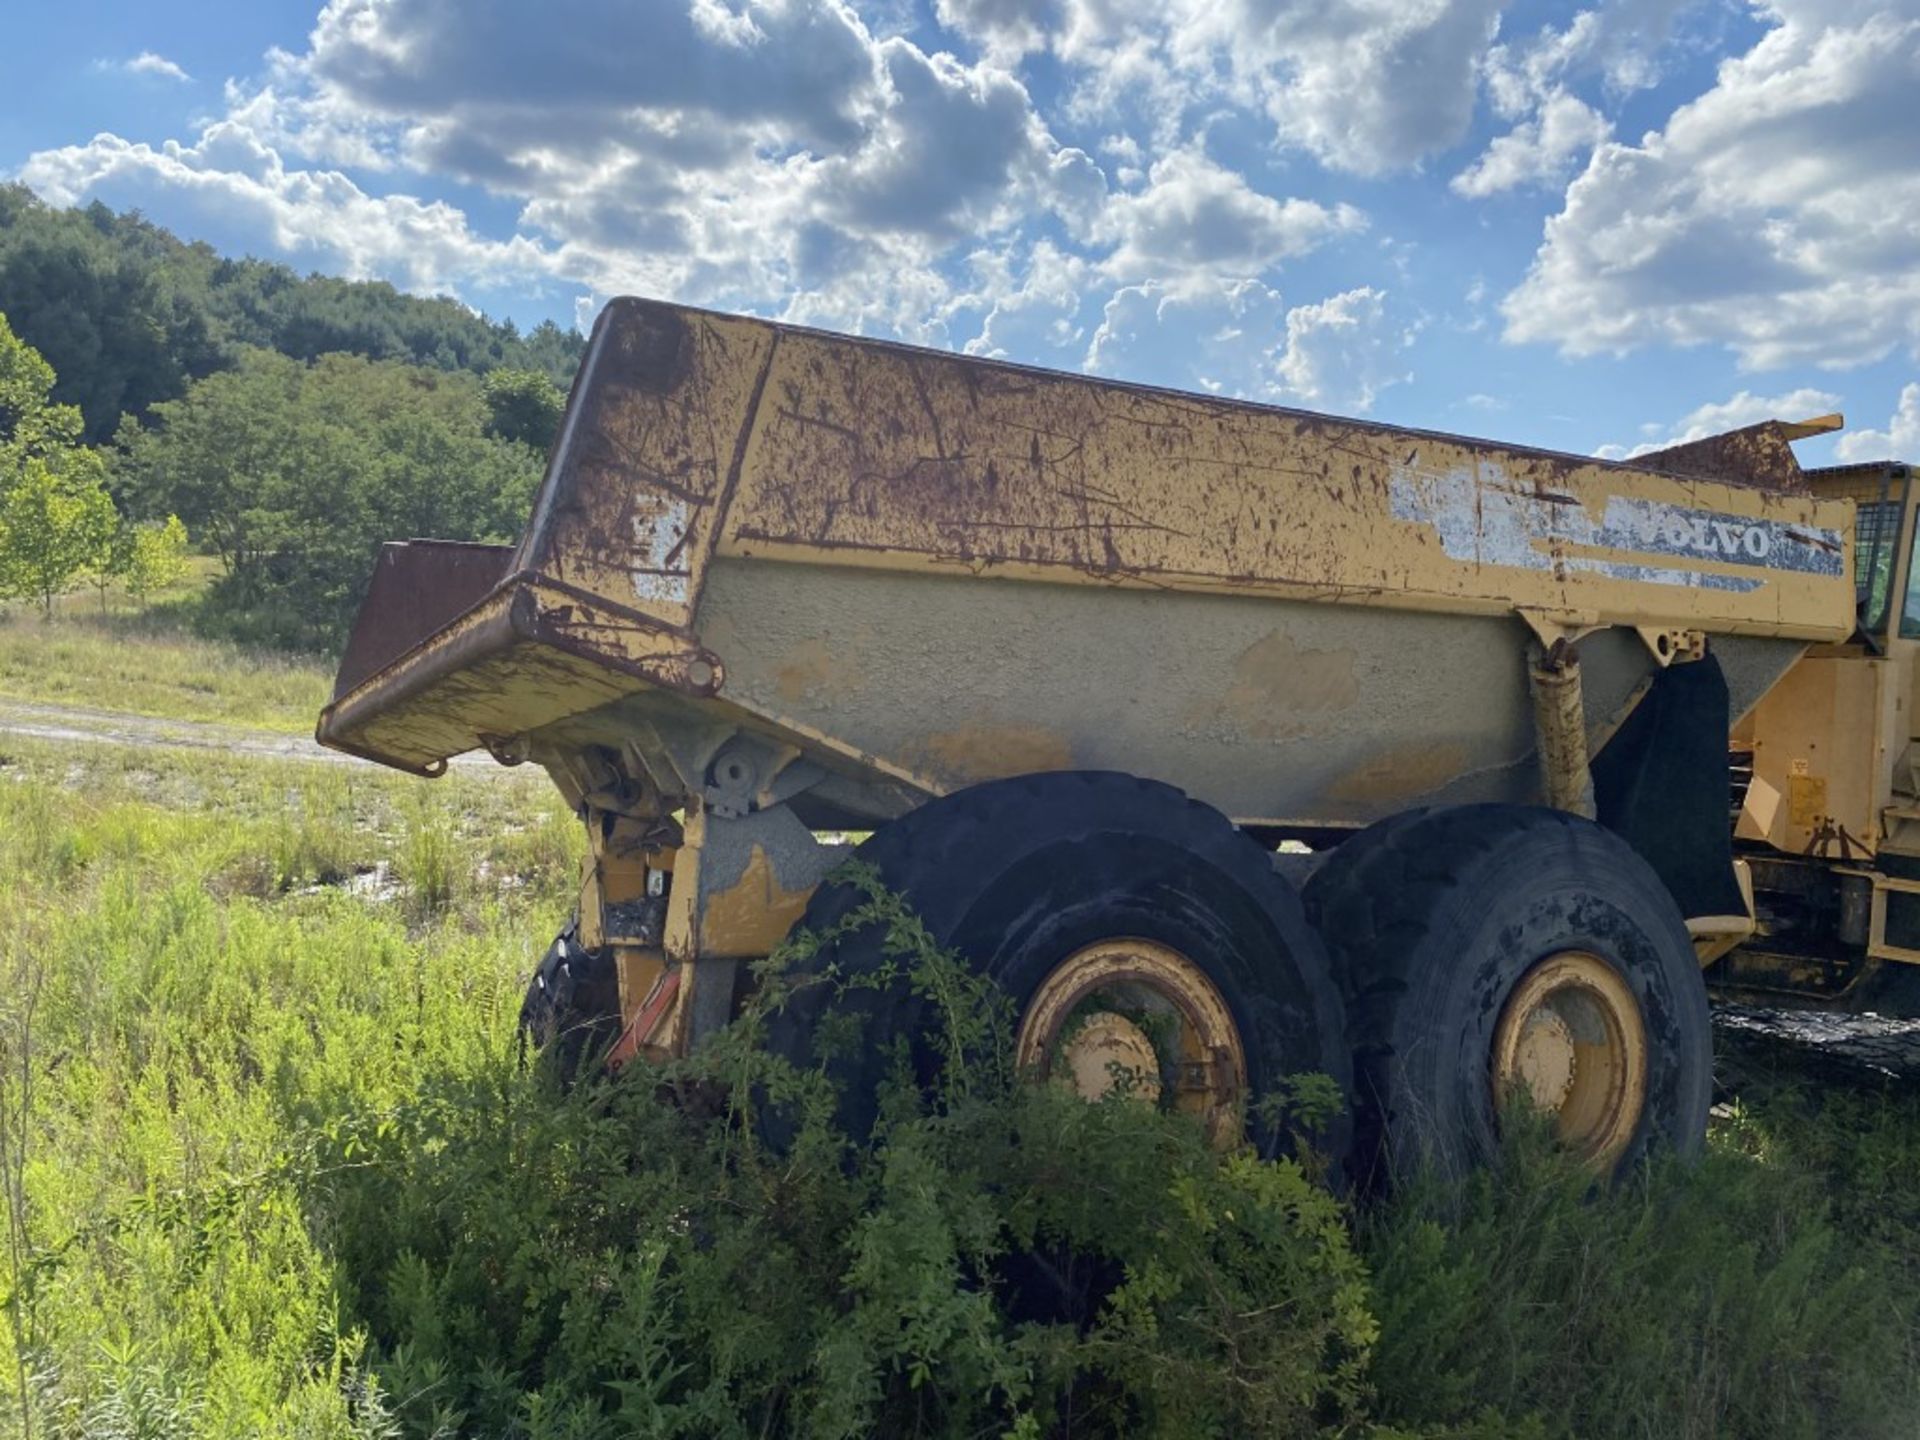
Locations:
{"points": [[1876, 532], [1910, 606]]}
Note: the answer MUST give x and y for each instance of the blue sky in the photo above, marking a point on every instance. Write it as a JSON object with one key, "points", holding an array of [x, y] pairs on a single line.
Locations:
{"points": [[1591, 227]]}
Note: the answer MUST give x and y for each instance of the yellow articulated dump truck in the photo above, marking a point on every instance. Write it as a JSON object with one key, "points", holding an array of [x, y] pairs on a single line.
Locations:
{"points": [[1234, 742]]}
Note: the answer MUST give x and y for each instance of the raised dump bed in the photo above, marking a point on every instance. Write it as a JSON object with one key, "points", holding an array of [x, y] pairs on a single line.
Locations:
{"points": [[778, 581]]}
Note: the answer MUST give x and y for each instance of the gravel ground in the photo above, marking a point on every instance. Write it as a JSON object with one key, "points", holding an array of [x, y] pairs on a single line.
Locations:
{"points": [[37, 721]]}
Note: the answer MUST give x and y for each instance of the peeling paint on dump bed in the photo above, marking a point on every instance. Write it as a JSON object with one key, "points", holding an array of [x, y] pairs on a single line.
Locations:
{"points": [[696, 441], [1485, 518], [662, 526]]}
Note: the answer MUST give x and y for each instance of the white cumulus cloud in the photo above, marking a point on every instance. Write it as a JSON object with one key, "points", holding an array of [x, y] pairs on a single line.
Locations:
{"points": [[1342, 352], [1034, 314], [1899, 441], [1362, 85], [1197, 217], [1777, 215], [1238, 338], [231, 185], [1538, 149], [148, 63], [1215, 335], [1717, 417]]}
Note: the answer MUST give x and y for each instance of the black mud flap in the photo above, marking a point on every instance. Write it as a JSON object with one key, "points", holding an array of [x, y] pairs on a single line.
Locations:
{"points": [[1661, 784]]}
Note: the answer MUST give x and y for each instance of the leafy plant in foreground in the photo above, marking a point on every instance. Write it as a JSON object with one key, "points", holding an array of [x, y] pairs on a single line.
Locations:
{"points": [[284, 1177], [1717, 1300], [638, 1258]]}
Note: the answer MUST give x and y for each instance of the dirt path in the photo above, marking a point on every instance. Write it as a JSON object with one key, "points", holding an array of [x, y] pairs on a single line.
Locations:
{"points": [[71, 723]]}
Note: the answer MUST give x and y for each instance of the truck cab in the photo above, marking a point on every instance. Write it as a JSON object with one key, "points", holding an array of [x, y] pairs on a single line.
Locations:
{"points": [[1826, 783]]}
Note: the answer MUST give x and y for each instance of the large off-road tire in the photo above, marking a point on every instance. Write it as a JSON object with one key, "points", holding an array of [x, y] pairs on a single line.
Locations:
{"points": [[571, 1012], [1493, 954], [1041, 879]]}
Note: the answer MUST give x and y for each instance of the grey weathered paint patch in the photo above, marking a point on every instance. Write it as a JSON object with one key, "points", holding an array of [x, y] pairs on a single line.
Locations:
{"points": [[1488, 519]]}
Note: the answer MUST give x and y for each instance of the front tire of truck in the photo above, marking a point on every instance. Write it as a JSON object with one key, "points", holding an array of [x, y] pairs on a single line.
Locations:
{"points": [[571, 1012], [1125, 922], [1500, 955]]}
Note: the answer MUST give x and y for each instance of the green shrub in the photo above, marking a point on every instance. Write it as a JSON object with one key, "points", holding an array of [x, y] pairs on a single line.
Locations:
{"points": [[282, 1173], [636, 1259], [1717, 1300]]}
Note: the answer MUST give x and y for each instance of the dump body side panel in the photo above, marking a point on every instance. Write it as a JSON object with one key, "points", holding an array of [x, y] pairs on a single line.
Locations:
{"points": [[1274, 711], [874, 455], [1213, 592], [649, 453]]}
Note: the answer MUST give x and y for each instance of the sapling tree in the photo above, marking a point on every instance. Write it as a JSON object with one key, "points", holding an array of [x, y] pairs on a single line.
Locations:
{"points": [[56, 519]]}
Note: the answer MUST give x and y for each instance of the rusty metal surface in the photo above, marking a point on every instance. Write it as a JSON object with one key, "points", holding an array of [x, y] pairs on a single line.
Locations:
{"points": [[1560, 730], [651, 448], [871, 455], [694, 440], [418, 588], [530, 654], [1758, 455], [1081, 1023]]}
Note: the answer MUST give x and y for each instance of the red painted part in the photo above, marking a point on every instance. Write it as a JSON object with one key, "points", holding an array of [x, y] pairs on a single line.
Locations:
{"points": [[652, 1011]]}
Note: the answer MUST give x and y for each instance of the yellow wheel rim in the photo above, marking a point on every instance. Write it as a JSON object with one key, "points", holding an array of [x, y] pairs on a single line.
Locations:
{"points": [[1572, 1043], [1139, 1017]]}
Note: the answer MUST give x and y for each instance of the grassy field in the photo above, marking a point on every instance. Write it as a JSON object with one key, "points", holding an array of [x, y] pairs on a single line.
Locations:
{"points": [[205, 960], [145, 663], [271, 1165]]}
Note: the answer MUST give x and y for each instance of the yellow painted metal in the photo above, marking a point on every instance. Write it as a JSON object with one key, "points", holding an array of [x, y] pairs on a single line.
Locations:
{"points": [[618, 869], [1105, 1052], [530, 654], [1716, 935], [1300, 619], [1560, 725], [1823, 741], [748, 918], [742, 917], [1006, 471], [1816, 425], [693, 436], [1096, 1009], [1571, 1041]]}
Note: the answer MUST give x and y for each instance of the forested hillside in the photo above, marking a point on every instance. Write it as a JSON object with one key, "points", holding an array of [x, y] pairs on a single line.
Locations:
{"points": [[129, 315], [292, 424]]}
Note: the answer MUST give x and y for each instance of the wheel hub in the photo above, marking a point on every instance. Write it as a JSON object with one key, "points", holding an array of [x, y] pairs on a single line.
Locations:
{"points": [[1545, 1058], [1108, 1052], [1572, 1043], [1138, 1017]]}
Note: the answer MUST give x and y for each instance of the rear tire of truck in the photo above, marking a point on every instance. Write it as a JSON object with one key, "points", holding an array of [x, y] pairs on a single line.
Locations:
{"points": [[1495, 955], [1111, 910], [571, 1013]]}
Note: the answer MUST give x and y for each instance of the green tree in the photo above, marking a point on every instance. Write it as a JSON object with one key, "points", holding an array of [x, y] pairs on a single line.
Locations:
{"points": [[121, 330], [141, 556], [32, 426], [55, 525], [56, 518], [151, 555], [523, 405], [129, 315], [294, 474]]}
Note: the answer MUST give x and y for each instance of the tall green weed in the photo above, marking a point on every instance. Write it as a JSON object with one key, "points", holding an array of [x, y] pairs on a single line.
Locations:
{"points": [[639, 1259], [279, 1170], [1715, 1300]]}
